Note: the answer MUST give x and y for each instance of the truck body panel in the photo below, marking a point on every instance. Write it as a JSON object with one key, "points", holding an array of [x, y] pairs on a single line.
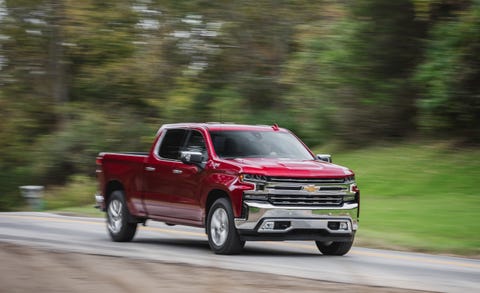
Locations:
{"points": [[276, 187], [127, 170]]}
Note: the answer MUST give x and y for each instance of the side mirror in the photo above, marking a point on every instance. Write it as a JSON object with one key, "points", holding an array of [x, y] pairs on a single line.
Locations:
{"points": [[324, 157], [192, 158]]}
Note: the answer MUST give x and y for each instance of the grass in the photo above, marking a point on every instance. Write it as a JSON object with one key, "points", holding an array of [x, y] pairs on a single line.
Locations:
{"points": [[74, 198], [415, 196], [418, 196], [82, 211]]}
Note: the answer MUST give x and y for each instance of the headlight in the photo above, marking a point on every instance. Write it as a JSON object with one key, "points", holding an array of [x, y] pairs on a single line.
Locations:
{"points": [[259, 181], [350, 179], [252, 178]]}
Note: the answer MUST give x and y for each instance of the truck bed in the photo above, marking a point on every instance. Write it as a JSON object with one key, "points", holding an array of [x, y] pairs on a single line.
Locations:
{"points": [[126, 168]]}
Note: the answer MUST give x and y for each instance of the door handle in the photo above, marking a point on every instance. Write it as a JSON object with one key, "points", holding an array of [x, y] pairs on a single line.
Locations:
{"points": [[176, 171], [150, 169]]}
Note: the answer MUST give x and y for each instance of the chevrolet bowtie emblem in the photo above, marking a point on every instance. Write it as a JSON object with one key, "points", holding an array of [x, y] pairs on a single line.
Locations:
{"points": [[311, 188]]}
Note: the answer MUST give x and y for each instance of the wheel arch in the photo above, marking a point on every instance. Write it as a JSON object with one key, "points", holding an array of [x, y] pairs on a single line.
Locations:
{"points": [[213, 195], [112, 186]]}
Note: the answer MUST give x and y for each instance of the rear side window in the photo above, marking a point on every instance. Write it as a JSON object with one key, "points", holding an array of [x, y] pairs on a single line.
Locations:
{"points": [[172, 143]]}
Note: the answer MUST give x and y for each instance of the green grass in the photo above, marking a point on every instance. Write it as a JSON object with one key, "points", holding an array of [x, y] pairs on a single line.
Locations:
{"points": [[82, 211], [76, 198], [419, 196]]}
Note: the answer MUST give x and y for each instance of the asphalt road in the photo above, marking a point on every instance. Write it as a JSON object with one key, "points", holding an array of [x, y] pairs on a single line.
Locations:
{"points": [[159, 242]]}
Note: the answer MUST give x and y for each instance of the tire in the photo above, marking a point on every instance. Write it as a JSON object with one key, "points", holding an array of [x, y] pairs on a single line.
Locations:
{"points": [[118, 225], [334, 248], [223, 237]]}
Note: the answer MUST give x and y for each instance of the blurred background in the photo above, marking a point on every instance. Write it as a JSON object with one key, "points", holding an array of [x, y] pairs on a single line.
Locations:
{"points": [[391, 88]]}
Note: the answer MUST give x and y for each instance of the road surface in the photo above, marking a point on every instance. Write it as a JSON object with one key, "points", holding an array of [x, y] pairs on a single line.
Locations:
{"points": [[185, 245]]}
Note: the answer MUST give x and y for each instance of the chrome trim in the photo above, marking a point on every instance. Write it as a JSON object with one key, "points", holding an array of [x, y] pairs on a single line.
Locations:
{"points": [[312, 217], [99, 202], [308, 180], [99, 199], [315, 224]]}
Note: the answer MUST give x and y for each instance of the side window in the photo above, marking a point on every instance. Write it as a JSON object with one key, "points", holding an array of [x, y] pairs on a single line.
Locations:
{"points": [[172, 143], [196, 143]]}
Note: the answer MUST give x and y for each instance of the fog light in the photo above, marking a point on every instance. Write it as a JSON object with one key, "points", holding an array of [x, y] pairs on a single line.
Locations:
{"points": [[333, 225], [267, 226]]}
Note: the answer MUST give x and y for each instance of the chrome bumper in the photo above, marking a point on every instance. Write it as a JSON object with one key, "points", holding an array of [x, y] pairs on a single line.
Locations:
{"points": [[293, 221]]}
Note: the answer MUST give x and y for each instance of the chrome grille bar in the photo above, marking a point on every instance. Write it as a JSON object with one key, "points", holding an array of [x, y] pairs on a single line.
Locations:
{"points": [[306, 180]]}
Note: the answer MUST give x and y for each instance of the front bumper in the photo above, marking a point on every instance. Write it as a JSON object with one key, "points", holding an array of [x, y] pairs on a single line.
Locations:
{"points": [[264, 221]]}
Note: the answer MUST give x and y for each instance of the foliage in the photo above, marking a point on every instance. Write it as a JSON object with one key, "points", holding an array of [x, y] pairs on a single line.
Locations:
{"points": [[78, 191], [73, 148], [356, 69], [450, 77], [79, 77]]}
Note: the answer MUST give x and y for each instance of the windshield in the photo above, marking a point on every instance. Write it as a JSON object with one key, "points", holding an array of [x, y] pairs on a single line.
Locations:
{"points": [[258, 144]]}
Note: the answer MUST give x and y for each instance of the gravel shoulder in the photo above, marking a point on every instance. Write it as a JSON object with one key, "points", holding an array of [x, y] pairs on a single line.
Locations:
{"points": [[27, 269]]}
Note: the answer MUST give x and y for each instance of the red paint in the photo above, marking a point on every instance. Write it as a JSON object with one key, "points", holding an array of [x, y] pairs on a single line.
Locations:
{"points": [[177, 193]]}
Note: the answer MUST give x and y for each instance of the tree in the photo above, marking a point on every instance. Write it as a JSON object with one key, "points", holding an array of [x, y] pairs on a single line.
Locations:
{"points": [[450, 77], [355, 67]]}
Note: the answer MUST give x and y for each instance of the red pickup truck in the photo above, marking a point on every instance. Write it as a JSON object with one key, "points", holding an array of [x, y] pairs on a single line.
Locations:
{"points": [[240, 182]]}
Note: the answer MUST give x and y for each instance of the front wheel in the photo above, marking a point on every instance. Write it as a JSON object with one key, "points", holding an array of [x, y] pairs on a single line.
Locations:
{"points": [[223, 237], [118, 225], [334, 248]]}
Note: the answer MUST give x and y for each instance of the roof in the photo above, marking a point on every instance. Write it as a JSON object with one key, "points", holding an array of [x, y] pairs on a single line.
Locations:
{"points": [[216, 126]]}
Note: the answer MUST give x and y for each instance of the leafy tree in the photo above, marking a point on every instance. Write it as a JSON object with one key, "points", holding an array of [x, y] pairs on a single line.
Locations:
{"points": [[450, 78], [384, 50], [78, 77], [352, 71]]}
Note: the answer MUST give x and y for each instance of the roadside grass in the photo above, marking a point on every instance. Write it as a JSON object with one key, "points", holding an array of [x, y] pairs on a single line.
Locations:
{"points": [[74, 198], [414, 196], [82, 211], [418, 196]]}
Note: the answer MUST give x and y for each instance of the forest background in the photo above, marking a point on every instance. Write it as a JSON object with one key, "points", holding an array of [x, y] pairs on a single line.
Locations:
{"points": [[391, 88], [80, 77]]}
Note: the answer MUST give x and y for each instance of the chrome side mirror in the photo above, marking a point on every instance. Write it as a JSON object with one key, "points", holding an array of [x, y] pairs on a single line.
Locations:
{"points": [[192, 158], [324, 157]]}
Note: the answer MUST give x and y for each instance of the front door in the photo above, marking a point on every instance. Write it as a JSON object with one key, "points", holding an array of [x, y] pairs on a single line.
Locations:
{"points": [[172, 187]]}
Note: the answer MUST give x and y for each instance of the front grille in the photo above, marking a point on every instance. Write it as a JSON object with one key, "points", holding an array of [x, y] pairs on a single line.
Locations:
{"points": [[322, 192], [306, 200]]}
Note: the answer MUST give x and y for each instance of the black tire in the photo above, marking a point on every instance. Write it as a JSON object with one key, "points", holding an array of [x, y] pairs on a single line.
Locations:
{"points": [[334, 248], [223, 237], [118, 216]]}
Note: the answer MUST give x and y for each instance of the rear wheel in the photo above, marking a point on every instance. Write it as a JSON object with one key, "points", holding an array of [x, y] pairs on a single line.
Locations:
{"points": [[223, 237], [334, 248], [118, 225]]}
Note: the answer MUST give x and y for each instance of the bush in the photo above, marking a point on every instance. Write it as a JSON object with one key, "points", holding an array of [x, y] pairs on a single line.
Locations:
{"points": [[78, 191], [72, 150]]}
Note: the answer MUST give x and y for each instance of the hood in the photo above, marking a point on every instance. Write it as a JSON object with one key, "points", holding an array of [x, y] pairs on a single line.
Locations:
{"points": [[290, 168]]}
